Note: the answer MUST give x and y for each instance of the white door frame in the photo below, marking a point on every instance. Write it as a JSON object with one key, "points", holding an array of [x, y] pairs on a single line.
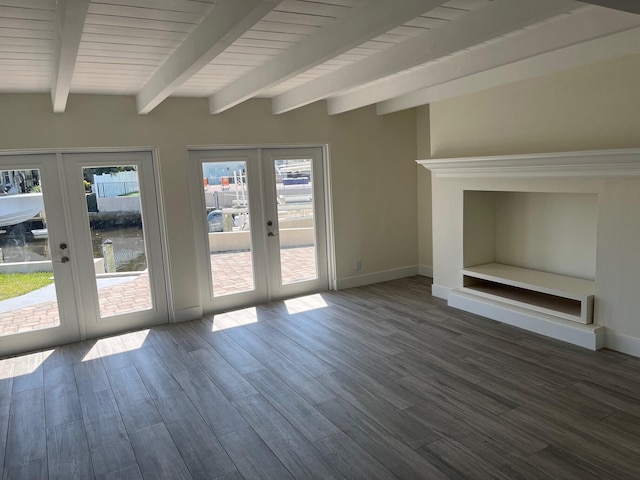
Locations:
{"points": [[275, 287], [91, 321], [68, 329], [257, 235], [196, 155], [70, 288]]}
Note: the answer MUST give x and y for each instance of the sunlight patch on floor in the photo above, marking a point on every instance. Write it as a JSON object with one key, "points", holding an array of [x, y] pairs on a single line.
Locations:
{"points": [[237, 318], [28, 364], [125, 343], [305, 304]]}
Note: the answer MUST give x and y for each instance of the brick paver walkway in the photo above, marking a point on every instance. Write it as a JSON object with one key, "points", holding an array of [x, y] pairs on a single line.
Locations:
{"points": [[232, 273]]}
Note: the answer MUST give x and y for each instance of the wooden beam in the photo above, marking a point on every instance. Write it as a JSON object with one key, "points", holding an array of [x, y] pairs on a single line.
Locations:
{"points": [[632, 6], [584, 25], [362, 24], [494, 20], [573, 56], [69, 23], [227, 21]]}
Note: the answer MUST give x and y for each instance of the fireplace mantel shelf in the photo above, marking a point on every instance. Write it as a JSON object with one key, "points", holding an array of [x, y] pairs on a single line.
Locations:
{"points": [[593, 163]]}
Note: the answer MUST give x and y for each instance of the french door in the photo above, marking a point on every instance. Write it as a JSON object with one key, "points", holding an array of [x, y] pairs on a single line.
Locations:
{"points": [[260, 223], [81, 254]]}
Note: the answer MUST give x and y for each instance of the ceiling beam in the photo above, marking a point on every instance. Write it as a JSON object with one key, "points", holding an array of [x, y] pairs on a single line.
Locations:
{"points": [[577, 55], [69, 23], [586, 24], [498, 18], [360, 25], [632, 6], [226, 21]]}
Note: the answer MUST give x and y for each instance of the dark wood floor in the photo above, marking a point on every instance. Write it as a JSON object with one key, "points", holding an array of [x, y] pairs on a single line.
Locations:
{"points": [[379, 382]]}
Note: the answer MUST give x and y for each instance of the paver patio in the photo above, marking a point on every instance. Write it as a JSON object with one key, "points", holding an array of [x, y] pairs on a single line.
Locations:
{"points": [[232, 273]]}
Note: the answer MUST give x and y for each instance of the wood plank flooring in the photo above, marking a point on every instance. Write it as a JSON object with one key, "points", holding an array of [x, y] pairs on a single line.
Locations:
{"points": [[378, 382]]}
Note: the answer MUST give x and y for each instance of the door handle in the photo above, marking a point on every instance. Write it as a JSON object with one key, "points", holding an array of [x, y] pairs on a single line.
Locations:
{"points": [[271, 234]]}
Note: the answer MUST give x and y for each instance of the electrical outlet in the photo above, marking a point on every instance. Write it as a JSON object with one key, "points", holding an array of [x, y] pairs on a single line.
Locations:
{"points": [[358, 265]]}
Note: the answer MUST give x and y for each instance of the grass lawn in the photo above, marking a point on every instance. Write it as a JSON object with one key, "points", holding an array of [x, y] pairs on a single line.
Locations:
{"points": [[16, 284]]}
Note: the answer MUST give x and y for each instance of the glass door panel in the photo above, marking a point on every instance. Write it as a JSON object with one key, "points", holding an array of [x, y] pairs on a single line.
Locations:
{"points": [[227, 223], [296, 238], [28, 298], [117, 239], [37, 306], [294, 204], [228, 226], [116, 223]]}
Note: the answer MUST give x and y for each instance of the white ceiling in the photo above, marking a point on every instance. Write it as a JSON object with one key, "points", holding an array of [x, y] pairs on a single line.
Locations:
{"points": [[394, 53]]}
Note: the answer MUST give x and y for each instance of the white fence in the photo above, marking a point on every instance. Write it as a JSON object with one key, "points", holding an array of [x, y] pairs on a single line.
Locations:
{"points": [[115, 184]]}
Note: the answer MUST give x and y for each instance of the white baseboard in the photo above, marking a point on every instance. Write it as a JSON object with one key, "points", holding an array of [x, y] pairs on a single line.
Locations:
{"points": [[425, 271], [440, 292], [186, 314], [621, 342], [587, 336], [371, 278]]}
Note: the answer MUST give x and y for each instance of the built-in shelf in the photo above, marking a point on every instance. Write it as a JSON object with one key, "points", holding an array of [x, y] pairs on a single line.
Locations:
{"points": [[561, 296]]}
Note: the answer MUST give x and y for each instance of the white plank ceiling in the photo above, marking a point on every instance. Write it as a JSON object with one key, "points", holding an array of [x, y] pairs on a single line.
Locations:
{"points": [[397, 54]]}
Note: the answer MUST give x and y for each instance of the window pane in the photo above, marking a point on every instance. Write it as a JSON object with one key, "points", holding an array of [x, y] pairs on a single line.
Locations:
{"points": [[27, 285], [118, 239], [294, 187], [229, 233]]}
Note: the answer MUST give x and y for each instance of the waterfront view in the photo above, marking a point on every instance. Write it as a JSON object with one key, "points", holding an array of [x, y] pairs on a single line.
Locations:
{"points": [[128, 247], [117, 243]]}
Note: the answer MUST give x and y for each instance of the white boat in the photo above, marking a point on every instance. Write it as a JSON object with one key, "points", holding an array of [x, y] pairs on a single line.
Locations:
{"points": [[18, 208]]}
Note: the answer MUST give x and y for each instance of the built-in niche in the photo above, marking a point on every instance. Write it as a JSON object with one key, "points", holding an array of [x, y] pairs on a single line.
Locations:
{"points": [[532, 249], [552, 232]]}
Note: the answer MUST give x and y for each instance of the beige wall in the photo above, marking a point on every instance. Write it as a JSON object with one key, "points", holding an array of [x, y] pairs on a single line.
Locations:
{"points": [[370, 155], [425, 244], [590, 108], [552, 232]]}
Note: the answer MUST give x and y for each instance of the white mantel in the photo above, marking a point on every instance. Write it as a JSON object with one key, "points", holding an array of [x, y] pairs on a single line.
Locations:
{"points": [[611, 176], [594, 163]]}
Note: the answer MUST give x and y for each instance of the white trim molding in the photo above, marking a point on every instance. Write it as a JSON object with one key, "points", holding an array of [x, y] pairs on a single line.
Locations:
{"points": [[593, 163], [621, 342], [377, 277], [440, 291], [425, 270], [187, 314]]}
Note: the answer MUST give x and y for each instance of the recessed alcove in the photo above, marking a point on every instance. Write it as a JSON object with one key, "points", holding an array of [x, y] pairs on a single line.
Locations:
{"points": [[546, 231], [535, 250]]}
